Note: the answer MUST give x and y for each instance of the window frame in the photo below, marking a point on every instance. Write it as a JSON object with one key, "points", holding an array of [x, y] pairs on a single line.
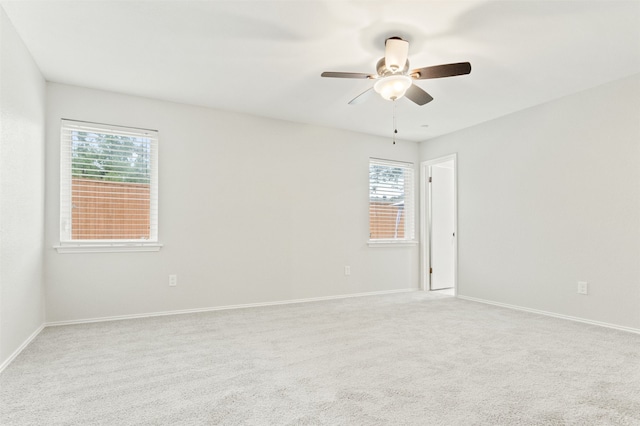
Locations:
{"points": [[66, 243], [409, 203]]}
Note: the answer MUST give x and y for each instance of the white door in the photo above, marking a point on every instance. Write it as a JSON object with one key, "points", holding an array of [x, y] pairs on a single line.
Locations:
{"points": [[438, 223], [442, 227]]}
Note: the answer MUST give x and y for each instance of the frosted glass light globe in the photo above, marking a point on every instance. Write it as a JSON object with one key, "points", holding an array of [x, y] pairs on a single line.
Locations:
{"points": [[392, 87]]}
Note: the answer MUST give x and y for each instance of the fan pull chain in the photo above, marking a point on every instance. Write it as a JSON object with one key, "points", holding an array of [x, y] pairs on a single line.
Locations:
{"points": [[395, 128]]}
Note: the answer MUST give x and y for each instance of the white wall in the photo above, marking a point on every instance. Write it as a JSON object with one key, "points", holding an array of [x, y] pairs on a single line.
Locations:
{"points": [[550, 196], [251, 210], [22, 92]]}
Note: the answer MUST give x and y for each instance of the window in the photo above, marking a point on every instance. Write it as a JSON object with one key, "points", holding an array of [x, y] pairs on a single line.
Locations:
{"points": [[391, 201], [108, 186]]}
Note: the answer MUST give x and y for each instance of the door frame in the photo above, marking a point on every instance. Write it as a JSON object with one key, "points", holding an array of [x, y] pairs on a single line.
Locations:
{"points": [[425, 220]]}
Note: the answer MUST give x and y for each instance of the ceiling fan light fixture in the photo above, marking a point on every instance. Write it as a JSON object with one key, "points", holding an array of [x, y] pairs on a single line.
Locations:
{"points": [[393, 79], [393, 87]]}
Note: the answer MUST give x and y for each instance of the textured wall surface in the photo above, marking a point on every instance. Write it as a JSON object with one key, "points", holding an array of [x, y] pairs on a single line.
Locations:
{"points": [[251, 210], [548, 197], [22, 92]]}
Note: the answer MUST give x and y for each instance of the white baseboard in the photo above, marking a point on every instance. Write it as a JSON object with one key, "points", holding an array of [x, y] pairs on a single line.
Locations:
{"points": [[552, 314], [224, 308], [24, 344]]}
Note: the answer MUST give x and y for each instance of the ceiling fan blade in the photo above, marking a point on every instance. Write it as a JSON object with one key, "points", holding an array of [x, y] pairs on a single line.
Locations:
{"points": [[346, 74], [417, 95], [396, 51], [439, 71], [362, 97]]}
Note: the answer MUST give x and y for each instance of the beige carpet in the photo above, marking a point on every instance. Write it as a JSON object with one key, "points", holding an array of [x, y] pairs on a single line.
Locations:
{"points": [[403, 359]]}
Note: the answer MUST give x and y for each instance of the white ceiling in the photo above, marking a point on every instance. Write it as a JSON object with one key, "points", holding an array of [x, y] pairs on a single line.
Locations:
{"points": [[265, 57]]}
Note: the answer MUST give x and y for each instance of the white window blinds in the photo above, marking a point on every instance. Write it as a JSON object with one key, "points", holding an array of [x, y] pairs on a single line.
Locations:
{"points": [[391, 201], [108, 183]]}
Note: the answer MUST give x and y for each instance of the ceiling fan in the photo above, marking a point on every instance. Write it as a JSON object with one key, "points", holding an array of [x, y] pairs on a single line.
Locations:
{"points": [[394, 80]]}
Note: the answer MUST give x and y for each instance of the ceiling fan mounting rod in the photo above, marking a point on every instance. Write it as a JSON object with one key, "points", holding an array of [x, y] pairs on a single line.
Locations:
{"points": [[396, 51]]}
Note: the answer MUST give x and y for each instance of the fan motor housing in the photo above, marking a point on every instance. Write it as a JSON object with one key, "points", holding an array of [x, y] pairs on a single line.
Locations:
{"points": [[383, 71]]}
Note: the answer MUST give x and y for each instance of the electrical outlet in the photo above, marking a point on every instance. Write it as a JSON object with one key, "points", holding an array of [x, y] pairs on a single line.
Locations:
{"points": [[347, 270], [173, 280], [582, 287]]}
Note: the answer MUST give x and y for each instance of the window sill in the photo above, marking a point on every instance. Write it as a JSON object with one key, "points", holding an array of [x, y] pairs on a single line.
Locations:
{"points": [[392, 243], [107, 247]]}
